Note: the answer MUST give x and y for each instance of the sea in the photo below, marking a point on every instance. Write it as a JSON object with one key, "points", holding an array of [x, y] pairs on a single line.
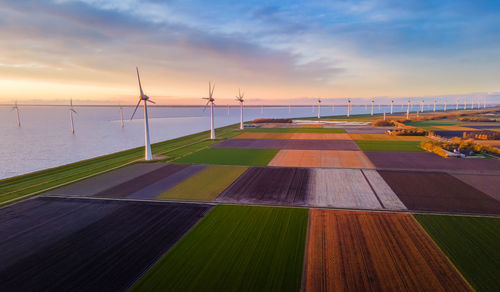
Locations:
{"points": [[45, 139]]}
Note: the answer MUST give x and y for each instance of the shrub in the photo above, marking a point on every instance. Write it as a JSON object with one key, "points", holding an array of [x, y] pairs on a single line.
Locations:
{"points": [[409, 132], [382, 123], [473, 119], [434, 147]]}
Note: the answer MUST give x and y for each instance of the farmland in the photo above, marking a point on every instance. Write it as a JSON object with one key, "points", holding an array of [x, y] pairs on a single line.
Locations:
{"points": [[205, 185], [486, 183], [439, 192], [230, 156], [289, 144], [385, 137], [295, 130], [275, 186], [377, 145], [321, 158], [303, 136], [428, 161], [360, 251], [77, 244], [471, 243], [211, 257]]}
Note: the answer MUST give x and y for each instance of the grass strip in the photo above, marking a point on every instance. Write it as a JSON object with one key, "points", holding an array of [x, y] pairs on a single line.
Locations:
{"points": [[235, 248], [377, 145], [471, 243], [32, 183], [230, 156], [296, 130], [205, 185]]}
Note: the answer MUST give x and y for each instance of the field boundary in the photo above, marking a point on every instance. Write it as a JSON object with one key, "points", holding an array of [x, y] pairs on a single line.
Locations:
{"points": [[373, 190], [304, 264]]}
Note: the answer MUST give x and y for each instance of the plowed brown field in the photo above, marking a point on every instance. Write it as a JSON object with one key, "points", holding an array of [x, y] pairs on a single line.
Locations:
{"points": [[321, 158], [304, 136], [371, 251]]}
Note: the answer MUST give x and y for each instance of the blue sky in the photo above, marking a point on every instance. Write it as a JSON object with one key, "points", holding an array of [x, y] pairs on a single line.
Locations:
{"points": [[274, 50]]}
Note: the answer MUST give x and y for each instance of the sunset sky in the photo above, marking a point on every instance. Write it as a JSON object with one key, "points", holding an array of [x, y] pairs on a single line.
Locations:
{"points": [[276, 51]]}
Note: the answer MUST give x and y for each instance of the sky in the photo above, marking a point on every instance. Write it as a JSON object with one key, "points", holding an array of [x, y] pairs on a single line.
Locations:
{"points": [[277, 52]]}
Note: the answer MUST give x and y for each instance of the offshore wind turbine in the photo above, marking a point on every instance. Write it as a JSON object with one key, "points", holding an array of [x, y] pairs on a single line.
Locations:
{"points": [[145, 98], [408, 110], [373, 101], [210, 100], [422, 106], [392, 105], [319, 108], [434, 105], [239, 98], [348, 107], [444, 105], [121, 116], [71, 111], [465, 103], [456, 108], [15, 107]]}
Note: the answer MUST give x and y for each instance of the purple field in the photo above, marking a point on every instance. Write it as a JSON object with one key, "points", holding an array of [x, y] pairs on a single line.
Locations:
{"points": [[365, 130], [428, 161], [269, 185], [439, 192], [293, 144], [56, 244], [487, 183]]}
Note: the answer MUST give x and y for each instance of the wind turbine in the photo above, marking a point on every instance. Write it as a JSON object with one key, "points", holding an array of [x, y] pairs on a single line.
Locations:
{"points": [[240, 99], [408, 110], [445, 105], [348, 107], [422, 106], [373, 101], [71, 111], [392, 105], [15, 107], [145, 98], [465, 103], [319, 108], [484, 103], [472, 103], [456, 108], [434, 105], [210, 100]]}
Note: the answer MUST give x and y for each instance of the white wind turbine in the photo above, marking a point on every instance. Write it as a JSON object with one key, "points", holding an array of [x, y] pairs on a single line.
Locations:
{"points": [[348, 107], [408, 110], [373, 101], [392, 105], [456, 107], [15, 107], [210, 100], [434, 105], [422, 106], [71, 111], [145, 98], [239, 98], [319, 108], [444, 105]]}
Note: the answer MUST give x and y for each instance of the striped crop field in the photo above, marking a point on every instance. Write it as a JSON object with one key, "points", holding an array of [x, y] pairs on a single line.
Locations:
{"points": [[471, 243], [59, 244], [235, 248], [205, 185], [373, 251], [296, 144], [321, 158], [308, 136], [230, 156], [378, 145], [296, 130]]}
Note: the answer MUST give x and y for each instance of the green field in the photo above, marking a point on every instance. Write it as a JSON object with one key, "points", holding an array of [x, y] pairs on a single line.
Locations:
{"points": [[372, 145], [235, 248], [296, 130], [231, 156], [430, 125], [471, 243], [18, 187], [205, 185]]}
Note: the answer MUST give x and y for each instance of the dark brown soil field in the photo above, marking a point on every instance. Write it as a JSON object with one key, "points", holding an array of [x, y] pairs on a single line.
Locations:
{"points": [[439, 192], [428, 161], [104, 181], [289, 144], [274, 186], [164, 184], [55, 244], [371, 251], [488, 184]]}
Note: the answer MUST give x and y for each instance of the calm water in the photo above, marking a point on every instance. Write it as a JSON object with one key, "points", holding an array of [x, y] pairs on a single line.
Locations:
{"points": [[45, 140]]}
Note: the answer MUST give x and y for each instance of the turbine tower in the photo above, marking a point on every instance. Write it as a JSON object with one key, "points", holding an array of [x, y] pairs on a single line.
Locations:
{"points": [[456, 108], [422, 106], [408, 110], [444, 105], [465, 103], [239, 98], [145, 98], [71, 111], [392, 105], [15, 107], [434, 105], [210, 100], [373, 101], [348, 107], [121, 116], [319, 108]]}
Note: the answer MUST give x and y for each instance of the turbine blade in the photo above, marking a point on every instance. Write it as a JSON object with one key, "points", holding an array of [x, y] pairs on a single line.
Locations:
{"points": [[139, 79], [135, 109], [206, 106], [149, 100]]}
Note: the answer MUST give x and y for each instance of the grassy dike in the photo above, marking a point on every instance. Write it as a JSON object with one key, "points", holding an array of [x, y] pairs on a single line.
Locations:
{"points": [[27, 185]]}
